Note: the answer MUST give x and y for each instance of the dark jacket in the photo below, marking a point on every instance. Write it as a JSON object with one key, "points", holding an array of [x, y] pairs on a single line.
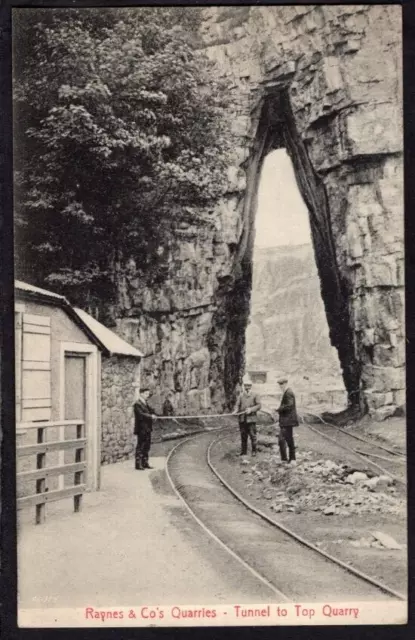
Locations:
{"points": [[143, 417], [287, 410], [168, 409]]}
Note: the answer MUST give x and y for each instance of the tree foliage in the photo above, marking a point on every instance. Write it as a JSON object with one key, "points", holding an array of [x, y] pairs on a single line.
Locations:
{"points": [[119, 131]]}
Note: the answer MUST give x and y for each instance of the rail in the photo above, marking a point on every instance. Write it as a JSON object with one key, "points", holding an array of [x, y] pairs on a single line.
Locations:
{"points": [[362, 455], [42, 496]]}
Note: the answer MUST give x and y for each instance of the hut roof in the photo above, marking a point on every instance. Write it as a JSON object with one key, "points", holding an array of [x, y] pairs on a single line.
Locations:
{"points": [[112, 342], [104, 338]]}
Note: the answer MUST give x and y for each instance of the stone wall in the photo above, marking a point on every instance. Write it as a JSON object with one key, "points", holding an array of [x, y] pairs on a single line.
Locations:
{"points": [[118, 377], [325, 83]]}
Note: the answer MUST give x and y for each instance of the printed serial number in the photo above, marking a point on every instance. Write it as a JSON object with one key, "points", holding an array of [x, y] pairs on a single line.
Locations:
{"points": [[45, 598]]}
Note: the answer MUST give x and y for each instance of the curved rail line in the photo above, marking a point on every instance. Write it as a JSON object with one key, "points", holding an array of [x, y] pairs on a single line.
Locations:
{"points": [[295, 536], [266, 548], [235, 555]]}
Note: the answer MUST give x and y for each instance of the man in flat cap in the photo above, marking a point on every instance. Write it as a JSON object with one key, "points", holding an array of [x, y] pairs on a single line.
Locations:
{"points": [[248, 405], [144, 418], [288, 419]]}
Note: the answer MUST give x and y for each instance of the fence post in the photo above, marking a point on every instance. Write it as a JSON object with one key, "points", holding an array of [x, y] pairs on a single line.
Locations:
{"points": [[41, 482], [77, 499], [61, 457]]}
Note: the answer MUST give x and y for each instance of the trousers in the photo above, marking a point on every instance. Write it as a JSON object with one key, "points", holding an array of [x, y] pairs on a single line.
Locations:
{"points": [[142, 449], [248, 429], [286, 438]]}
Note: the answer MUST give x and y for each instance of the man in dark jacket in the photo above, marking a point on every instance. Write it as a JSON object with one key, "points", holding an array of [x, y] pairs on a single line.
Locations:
{"points": [[144, 418], [288, 419]]}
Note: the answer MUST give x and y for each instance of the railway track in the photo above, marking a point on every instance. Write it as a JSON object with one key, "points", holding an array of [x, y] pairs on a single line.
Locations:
{"points": [[383, 460], [290, 566]]}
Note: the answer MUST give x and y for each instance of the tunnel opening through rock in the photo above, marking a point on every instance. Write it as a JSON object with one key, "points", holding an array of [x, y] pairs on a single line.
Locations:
{"points": [[277, 130], [287, 332]]}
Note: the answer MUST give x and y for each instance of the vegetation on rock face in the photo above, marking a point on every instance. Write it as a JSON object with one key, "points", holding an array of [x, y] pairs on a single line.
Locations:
{"points": [[119, 130]]}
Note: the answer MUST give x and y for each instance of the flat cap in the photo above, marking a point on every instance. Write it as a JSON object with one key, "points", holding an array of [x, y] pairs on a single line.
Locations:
{"points": [[282, 380]]}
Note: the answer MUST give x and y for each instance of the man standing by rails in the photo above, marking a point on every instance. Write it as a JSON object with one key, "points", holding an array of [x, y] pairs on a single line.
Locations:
{"points": [[143, 428], [248, 405], [288, 419], [168, 408]]}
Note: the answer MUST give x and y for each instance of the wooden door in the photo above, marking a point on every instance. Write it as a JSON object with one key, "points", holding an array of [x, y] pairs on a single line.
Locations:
{"points": [[80, 400], [75, 398], [75, 386]]}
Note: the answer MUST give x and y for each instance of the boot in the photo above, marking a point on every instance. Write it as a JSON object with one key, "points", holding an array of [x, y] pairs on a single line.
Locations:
{"points": [[145, 463]]}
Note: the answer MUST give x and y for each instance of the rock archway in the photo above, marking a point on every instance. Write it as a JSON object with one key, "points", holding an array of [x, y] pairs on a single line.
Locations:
{"points": [[322, 83], [277, 129], [325, 83]]}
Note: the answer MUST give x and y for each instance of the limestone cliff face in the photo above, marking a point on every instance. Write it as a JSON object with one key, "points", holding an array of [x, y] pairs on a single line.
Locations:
{"points": [[181, 324], [325, 83]]}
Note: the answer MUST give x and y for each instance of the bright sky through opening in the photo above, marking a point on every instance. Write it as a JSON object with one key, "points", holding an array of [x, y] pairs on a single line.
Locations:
{"points": [[282, 217]]}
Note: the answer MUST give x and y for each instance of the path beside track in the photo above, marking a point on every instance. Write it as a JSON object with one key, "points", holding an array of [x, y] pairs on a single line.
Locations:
{"points": [[134, 544]]}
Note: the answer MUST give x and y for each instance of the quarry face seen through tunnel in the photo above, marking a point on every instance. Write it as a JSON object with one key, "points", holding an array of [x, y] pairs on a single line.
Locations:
{"points": [[287, 332]]}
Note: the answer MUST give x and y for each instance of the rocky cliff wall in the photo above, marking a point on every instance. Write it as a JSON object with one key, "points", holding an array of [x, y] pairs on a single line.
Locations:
{"points": [[325, 83]]}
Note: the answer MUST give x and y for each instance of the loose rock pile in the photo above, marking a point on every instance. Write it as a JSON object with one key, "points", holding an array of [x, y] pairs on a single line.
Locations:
{"points": [[323, 486]]}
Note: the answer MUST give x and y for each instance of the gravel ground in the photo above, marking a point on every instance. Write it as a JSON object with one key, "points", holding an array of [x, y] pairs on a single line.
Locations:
{"points": [[329, 498]]}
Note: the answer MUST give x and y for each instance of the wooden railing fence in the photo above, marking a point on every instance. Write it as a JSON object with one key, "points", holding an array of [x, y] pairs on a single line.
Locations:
{"points": [[42, 471]]}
